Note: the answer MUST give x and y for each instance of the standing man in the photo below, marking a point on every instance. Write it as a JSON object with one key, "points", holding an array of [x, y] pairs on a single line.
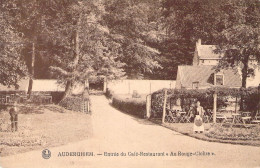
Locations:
{"points": [[14, 116]]}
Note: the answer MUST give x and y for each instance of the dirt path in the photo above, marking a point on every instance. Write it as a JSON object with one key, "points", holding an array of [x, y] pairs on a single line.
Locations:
{"points": [[117, 132]]}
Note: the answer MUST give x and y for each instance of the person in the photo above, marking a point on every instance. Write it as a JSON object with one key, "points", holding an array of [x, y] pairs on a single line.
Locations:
{"points": [[177, 107], [192, 111], [199, 110], [14, 117], [198, 120]]}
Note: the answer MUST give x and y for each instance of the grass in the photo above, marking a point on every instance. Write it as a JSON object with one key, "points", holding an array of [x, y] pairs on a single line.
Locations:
{"points": [[187, 129], [42, 127]]}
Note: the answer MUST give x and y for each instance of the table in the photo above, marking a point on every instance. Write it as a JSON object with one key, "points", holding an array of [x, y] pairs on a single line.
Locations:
{"points": [[236, 118]]}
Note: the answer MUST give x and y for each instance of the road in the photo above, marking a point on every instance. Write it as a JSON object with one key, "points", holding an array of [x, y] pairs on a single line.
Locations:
{"points": [[117, 132]]}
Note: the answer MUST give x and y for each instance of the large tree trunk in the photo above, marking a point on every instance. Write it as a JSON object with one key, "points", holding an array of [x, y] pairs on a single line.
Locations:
{"points": [[70, 82], [32, 70], [244, 74], [68, 89], [244, 78]]}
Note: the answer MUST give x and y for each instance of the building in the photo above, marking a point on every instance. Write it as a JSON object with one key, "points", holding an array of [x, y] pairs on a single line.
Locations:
{"points": [[202, 73], [205, 76]]}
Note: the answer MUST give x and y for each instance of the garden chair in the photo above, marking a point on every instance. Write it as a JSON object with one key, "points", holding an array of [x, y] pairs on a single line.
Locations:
{"points": [[208, 116], [188, 117], [221, 118], [170, 117]]}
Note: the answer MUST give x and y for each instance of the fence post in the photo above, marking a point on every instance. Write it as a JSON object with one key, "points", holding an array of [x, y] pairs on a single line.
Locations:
{"points": [[148, 106], [164, 105], [129, 87], [150, 88], [215, 96], [105, 85], [88, 106]]}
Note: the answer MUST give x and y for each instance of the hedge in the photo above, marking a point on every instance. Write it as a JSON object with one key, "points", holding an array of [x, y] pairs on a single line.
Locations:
{"points": [[131, 106], [56, 96], [109, 93], [75, 102], [205, 96]]}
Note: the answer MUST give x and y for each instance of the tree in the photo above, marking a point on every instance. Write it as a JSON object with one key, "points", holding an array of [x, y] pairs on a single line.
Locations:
{"points": [[28, 20], [239, 40], [184, 22], [133, 25], [81, 45], [12, 64], [232, 25]]}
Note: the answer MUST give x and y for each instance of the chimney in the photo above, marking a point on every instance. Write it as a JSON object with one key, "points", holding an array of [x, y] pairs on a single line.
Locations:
{"points": [[198, 42]]}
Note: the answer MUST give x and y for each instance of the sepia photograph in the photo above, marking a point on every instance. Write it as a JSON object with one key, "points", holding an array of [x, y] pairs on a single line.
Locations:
{"points": [[129, 83]]}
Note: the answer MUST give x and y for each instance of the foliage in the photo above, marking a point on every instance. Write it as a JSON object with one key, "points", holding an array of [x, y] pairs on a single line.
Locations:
{"points": [[11, 62], [231, 133], [233, 25], [133, 26], [109, 93], [132, 106], [56, 96], [81, 45], [74, 103], [205, 96], [239, 39]]}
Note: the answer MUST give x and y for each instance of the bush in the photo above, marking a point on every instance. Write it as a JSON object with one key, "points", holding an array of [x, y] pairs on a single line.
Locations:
{"points": [[232, 133], [132, 106], [56, 96], [39, 96], [109, 93], [136, 94], [74, 103]]}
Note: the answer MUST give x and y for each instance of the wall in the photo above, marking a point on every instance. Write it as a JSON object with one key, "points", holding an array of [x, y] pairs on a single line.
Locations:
{"points": [[141, 86], [254, 81], [50, 85]]}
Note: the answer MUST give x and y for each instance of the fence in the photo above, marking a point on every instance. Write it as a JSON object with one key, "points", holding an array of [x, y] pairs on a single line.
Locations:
{"points": [[6, 98]]}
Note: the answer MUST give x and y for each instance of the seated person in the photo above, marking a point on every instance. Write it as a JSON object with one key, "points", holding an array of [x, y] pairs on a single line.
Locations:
{"points": [[177, 107], [192, 112]]}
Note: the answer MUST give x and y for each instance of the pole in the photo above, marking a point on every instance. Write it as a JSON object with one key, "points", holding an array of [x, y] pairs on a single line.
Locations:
{"points": [[148, 106], [215, 96], [236, 105], [105, 85], [150, 88], [129, 87], [258, 104], [164, 105]]}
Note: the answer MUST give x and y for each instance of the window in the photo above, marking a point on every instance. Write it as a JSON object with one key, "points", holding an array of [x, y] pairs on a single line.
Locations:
{"points": [[219, 79], [195, 85]]}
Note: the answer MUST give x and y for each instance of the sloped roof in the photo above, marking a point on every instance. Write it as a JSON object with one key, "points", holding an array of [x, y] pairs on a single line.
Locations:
{"points": [[23, 86], [207, 52], [203, 73]]}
